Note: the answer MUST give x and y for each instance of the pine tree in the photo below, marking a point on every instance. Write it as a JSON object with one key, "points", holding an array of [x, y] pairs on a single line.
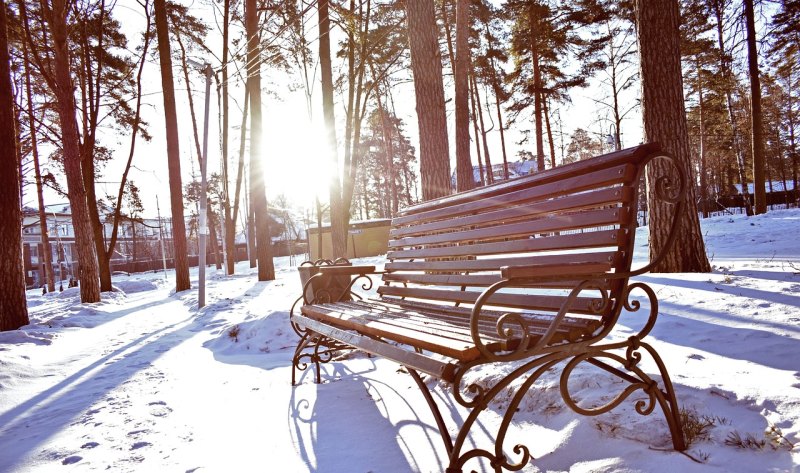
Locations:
{"points": [[13, 306], [173, 148], [426, 64], [665, 122]]}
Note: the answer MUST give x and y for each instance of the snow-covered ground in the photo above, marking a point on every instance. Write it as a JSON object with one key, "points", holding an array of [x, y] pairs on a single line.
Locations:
{"points": [[144, 381]]}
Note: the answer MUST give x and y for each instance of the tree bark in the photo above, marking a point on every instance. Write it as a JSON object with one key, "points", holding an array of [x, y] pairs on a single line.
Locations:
{"points": [[426, 65], [756, 116], [665, 122], [56, 17], [13, 306], [173, 149], [464, 177], [266, 269]]}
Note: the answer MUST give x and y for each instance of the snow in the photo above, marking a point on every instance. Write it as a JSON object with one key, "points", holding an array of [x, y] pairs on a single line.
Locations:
{"points": [[144, 381]]}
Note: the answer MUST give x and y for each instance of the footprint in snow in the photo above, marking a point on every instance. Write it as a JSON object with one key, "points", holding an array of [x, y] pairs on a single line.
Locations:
{"points": [[71, 459], [139, 445], [88, 445], [159, 409]]}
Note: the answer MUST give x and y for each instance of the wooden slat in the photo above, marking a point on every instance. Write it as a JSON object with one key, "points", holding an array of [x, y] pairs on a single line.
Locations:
{"points": [[598, 179], [573, 202], [488, 316], [550, 270], [461, 350], [631, 155], [455, 322], [477, 280], [595, 239], [419, 362], [488, 264], [520, 301], [558, 223]]}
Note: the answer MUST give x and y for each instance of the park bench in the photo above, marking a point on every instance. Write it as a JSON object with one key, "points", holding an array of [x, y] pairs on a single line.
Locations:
{"points": [[533, 271]]}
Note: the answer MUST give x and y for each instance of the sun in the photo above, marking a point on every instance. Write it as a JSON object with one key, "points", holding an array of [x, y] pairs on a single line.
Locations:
{"points": [[295, 160]]}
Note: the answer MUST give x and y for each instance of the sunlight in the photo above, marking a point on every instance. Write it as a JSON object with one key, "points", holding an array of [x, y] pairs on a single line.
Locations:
{"points": [[295, 159]]}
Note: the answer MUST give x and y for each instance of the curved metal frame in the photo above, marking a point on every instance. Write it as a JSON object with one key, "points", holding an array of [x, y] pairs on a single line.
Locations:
{"points": [[313, 348], [615, 295]]}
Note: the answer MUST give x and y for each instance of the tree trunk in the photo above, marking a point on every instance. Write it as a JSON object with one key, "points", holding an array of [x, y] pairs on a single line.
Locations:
{"points": [[496, 89], [537, 90], [112, 242], [485, 174], [84, 244], [756, 117], [266, 269], [336, 206], [549, 129], [464, 178], [426, 65], [46, 254], [703, 168], [13, 306], [728, 79], [479, 111], [665, 122], [173, 149], [230, 220], [212, 236]]}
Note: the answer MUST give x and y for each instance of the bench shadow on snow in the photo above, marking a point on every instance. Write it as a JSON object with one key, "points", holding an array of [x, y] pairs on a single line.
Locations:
{"points": [[342, 424]]}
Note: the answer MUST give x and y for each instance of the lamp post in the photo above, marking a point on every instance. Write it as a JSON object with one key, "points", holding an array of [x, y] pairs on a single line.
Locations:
{"points": [[203, 218]]}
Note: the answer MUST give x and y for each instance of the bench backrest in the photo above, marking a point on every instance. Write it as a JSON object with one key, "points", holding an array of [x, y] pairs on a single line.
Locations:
{"points": [[448, 250]]}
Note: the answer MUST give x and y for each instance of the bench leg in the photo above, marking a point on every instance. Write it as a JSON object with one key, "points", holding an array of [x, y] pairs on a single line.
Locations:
{"points": [[663, 397], [437, 415], [313, 349]]}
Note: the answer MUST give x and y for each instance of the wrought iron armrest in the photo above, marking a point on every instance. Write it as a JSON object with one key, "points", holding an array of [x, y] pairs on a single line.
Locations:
{"points": [[322, 289], [511, 325], [339, 270]]}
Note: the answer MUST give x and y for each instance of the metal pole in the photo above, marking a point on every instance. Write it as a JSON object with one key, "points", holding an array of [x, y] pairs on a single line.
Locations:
{"points": [[161, 239], [203, 230]]}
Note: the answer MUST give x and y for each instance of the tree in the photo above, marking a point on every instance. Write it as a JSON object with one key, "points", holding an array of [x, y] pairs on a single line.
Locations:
{"points": [[59, 80], [717, 8], [464, 178], [13, 306], [542, 37], [756, 116], [665, 122], [173, 149], [47, 253], [426, 65], [266, 269]]}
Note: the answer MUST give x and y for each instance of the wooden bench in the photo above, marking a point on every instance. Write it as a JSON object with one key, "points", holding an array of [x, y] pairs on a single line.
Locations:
{"points": [[532, 271]]}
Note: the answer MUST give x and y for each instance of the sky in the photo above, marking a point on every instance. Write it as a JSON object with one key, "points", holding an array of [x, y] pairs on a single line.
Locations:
{"points": [[145, 381]]}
